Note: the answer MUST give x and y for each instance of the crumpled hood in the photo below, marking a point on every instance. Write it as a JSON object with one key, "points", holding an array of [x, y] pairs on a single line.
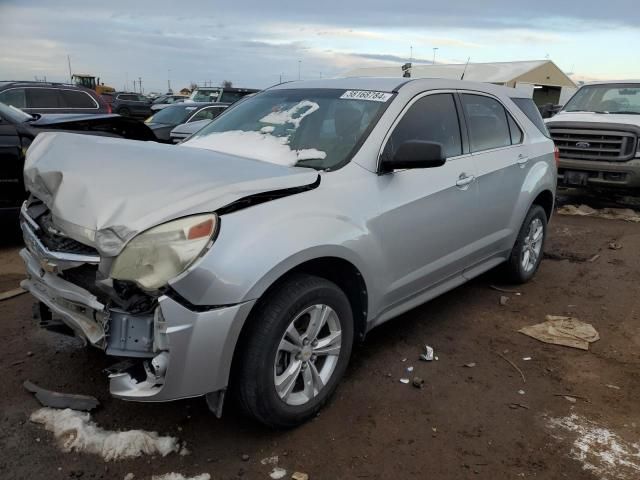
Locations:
{"points": [[614, 118], [103, 191]]}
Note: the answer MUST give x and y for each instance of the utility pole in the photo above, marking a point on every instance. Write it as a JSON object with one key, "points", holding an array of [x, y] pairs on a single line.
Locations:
{"points": [[70, 74], [411, 54], [168, 80], [435, 49], [140, 84], [299, 65]]}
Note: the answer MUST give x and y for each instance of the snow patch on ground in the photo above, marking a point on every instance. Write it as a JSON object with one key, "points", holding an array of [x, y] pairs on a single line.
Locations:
{"points": [[179, 476], [292, 115], [260, 146], [75, 432], [600, 450]]}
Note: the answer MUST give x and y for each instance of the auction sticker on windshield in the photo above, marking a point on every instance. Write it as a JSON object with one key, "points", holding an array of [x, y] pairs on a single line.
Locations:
{"points": [[366, 95]]}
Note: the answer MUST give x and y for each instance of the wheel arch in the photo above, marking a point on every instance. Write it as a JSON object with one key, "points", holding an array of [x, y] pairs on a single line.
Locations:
{"points": [[545, 199]]}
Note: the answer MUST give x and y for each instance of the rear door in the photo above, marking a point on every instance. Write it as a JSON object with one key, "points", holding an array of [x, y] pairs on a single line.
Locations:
{"points": [[44, 100], [496, 141], [428, 221]]}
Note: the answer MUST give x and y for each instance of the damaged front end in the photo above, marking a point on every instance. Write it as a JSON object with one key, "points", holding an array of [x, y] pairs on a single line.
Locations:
{"points": [[148, 331]]}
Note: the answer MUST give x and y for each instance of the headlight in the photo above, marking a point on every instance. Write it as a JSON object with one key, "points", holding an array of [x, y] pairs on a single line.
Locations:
{"points": [[154, 257]]}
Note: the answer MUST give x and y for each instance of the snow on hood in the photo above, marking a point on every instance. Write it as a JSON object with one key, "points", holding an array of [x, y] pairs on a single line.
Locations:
{"points": [[103, 191], [614, 118], [259, 145]]}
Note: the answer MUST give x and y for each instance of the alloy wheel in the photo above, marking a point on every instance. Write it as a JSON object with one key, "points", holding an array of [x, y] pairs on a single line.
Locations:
{"points": [[532, 245]]}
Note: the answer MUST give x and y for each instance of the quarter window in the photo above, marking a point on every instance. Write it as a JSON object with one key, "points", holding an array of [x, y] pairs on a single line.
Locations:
{"points": [[14, 97], [487, 123], [432, 118], [77, 99], [516, 133]]}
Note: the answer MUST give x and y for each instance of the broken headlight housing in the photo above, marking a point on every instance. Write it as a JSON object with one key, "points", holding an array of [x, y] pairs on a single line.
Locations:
{"points": [[153, 257]]}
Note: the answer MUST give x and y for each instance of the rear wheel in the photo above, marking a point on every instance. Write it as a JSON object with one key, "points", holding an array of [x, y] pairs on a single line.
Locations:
{"points": [[527, 252], [296, 350], [124, 112]]}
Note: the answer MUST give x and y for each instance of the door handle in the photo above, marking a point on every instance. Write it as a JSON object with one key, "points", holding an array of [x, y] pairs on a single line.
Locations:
{"points": [[464, 180]]}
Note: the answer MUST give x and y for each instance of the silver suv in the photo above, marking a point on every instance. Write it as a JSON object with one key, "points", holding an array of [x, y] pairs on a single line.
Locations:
{"points": [[254, 255]]}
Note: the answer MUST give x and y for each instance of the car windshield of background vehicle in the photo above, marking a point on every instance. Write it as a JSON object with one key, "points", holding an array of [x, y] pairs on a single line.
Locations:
{"points": [[14, 114], [207, 95], [606, 99], [172, 115], [316, 128]]}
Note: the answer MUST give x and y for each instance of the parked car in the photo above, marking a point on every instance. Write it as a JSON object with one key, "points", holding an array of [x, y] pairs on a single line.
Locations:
{"points": [[166, 100], [253, 255], [220, 94], [45, 97], [597, 133], [185, 130], [131, 105], [165, 120], [18, 129]]}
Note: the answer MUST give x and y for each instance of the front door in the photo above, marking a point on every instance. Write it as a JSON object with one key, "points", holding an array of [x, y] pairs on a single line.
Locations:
{"points": [[428, 221]]}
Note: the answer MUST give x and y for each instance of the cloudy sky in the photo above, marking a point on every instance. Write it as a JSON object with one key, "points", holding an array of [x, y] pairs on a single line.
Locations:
{"points": [[255, 43]]}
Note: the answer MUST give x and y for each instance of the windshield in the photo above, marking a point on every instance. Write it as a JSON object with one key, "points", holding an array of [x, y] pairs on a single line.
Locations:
{"points": [[172, 115], [161, 99], [205, 95], [317, 128], [14, 114], [618, 98]]}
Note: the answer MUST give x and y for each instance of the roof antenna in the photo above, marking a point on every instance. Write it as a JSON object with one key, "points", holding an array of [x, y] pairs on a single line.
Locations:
{"points": [[465, 68]]}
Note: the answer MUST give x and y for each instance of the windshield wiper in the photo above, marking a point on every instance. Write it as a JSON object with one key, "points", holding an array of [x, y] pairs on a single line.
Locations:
{"points": [[627, 112]]}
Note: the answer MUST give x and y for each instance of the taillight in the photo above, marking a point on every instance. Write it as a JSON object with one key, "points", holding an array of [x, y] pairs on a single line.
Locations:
{"points": [[556, 155], [109, 108]]}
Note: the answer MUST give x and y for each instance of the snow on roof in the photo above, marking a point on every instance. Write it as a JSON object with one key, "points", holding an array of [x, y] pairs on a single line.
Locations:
{"points": [[496, 72]]}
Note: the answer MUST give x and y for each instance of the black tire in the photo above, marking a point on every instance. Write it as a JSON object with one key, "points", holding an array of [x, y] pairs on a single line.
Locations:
{"points": [[254, 382], [514, 270], [125, 112]]}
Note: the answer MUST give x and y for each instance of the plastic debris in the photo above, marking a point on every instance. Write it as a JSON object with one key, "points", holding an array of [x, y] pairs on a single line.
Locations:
{"points": [[409, 369], [129, 476], [299, 476], [504, 300], [48, 398], [615, 246], [566, 331], [278, 473], [615, 387], [179, 476], [418, 382], [521, 392], [570, 399], [470, 364], [427, 356], [404, 380], [270, 460], [526, 359], [245, 457]]}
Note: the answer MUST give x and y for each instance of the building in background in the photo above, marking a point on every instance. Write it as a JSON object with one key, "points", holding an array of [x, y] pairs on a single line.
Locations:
{"points": [[543, 79]]}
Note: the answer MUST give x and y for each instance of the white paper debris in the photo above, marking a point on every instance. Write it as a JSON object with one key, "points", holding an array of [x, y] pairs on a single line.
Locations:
{"points": [[526, 359], [76, 432], [521, 392], [270, 460], [179, 476], [601, 451], [409, 369], [404, 380], [427, 356], [278, 473], [129, 476]]}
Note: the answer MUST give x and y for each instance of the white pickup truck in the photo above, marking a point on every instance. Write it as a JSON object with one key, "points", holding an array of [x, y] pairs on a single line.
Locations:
{"points": [[597, 134]]}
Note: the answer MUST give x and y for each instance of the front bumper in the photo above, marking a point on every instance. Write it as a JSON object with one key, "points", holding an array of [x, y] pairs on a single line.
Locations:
{"points": [[601, 174], [188, 353]]}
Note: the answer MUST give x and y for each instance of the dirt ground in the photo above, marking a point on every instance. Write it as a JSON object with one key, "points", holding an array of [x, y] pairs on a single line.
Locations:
{"points": [[467, 422]]}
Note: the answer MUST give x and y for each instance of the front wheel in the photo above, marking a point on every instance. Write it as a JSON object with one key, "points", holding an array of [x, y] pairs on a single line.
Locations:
{"points": [[124, 112], [529, 247], [295, 351]]}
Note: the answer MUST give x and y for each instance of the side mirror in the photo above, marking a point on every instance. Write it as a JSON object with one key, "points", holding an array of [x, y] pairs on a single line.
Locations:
{"points": [[415, 154]]}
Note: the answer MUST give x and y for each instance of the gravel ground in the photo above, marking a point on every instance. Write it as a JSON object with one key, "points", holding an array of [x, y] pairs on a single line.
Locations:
{"points": [[467, 422]]}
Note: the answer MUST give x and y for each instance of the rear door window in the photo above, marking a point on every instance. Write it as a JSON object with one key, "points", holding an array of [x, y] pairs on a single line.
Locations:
{"points": [[77, 99], [433, 118], [43, 98], [14, 97], [487, 122]]}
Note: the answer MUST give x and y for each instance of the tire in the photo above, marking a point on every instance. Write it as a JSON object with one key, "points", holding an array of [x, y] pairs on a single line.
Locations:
{"points": [[124, 112], [264, 363], [515, 269]]}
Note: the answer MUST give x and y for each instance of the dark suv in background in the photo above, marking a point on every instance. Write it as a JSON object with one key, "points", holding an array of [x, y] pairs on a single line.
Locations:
{"points": [[129, 104], [46, 97]]}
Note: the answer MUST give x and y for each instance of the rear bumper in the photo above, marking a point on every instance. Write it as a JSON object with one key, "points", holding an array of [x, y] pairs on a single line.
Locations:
{"points": [[613, 175]]}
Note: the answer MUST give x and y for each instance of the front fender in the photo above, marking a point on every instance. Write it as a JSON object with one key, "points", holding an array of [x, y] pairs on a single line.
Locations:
{"points": [[258, 245]]}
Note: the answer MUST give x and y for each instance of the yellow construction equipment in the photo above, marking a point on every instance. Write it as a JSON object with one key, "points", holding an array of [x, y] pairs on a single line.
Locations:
{"points": [[90, 82]]}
